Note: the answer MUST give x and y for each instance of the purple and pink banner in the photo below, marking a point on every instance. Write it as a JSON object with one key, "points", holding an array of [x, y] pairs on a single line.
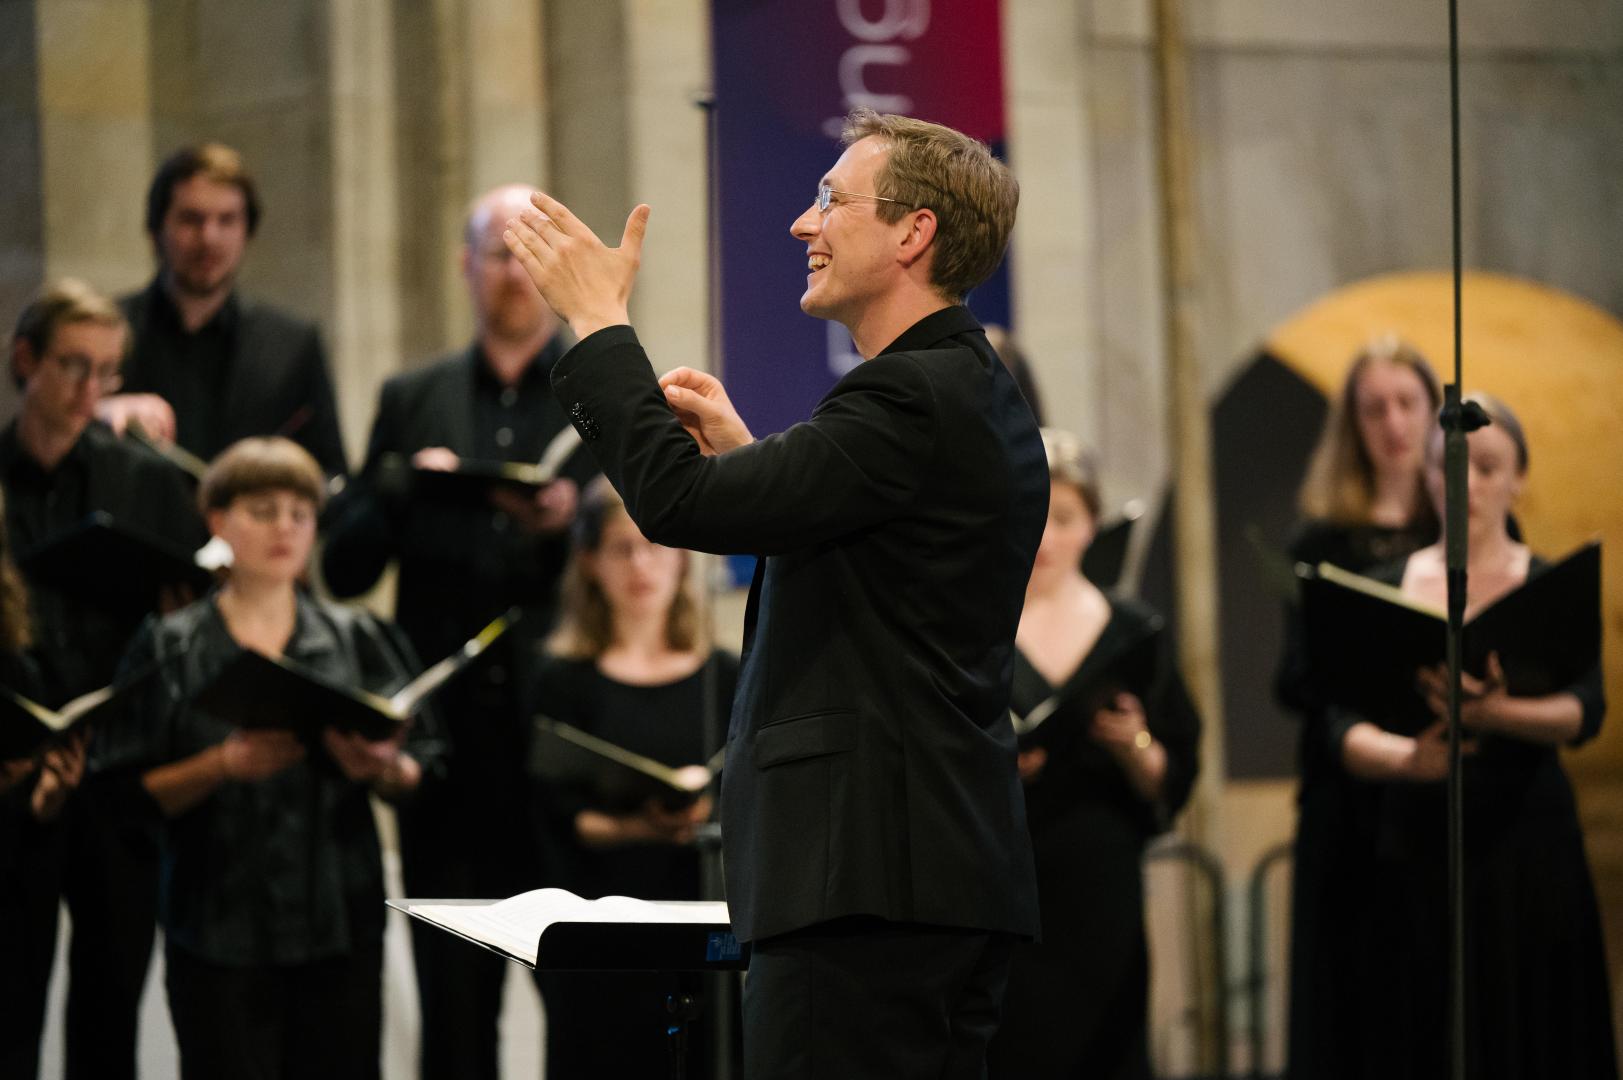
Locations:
{"points": [[786, 73]]}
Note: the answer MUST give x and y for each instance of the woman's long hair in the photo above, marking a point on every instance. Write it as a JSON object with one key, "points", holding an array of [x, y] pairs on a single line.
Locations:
{"points": [[586, 622], [1340, 481], [16, 626]]}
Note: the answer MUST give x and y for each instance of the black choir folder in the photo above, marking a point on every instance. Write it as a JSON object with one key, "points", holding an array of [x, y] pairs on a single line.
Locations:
{"points": [[619, 780], [256, 691], [555, 930], [1366, 639], [473, 480], [1129, 667], [26, 725], [110, 564]]}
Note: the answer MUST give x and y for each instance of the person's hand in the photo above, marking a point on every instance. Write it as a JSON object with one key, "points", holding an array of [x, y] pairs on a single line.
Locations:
{"points": [[674, 826], [258, 755], [1120, 724], [1480, 699], [436, 458], [587, 283], [701, 403], [152, 412], [60, 770], [551, 510], [14, 771], [366, 761], [1428, 757], [1031, 762]]}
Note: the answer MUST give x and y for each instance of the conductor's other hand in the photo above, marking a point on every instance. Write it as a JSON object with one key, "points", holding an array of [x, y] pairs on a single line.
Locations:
{"points": [[701, 403], [436, 459], [585, 281], [152, 412], [259, 755]]}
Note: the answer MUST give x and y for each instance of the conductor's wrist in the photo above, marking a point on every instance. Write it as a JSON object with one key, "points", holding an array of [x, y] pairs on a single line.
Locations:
{"points": [[586, 324]]}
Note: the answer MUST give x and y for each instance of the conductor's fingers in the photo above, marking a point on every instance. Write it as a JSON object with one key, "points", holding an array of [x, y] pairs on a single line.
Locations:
{"points": [[688, 378], [636, 229], [522, 249], [562, 219], [692, 402]]}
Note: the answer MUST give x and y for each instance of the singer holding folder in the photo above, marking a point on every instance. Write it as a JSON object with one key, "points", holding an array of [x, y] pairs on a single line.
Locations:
{"points": [[1107, 770], [874, 830], [272, 900], [632, 663], [1538, 1000]]}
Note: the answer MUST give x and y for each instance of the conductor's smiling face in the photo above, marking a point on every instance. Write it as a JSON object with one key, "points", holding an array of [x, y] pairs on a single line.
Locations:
{"points": [[850, 252], [271, 533]]}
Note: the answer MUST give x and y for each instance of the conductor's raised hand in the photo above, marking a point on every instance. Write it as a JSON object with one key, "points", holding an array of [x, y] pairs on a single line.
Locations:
{"points": [[586, 282], [701, 403]]}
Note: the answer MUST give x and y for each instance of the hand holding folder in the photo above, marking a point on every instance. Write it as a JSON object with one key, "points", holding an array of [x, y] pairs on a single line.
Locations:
{"points": [[255, 691], [620, 780], [1368, 642]]}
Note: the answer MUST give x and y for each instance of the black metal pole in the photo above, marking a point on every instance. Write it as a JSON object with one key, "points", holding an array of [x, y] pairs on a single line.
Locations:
{"points": [[1458, 419]]}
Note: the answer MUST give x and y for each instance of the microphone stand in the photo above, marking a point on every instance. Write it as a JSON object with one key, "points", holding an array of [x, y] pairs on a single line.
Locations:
{"points": [[1458, 418], [719, 986]]}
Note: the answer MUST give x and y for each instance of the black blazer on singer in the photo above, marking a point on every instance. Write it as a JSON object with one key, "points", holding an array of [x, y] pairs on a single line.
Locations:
{"points": [[870, 760]]}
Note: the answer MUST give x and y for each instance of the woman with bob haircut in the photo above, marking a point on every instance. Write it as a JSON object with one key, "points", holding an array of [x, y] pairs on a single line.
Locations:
{"points": [[631, 662], [1363, 503], [272, 886], [1111, 771], [1538, 1000]]}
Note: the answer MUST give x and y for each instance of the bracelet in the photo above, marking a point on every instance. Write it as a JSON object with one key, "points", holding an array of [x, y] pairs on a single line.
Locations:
{"points": [[1143, 740]]}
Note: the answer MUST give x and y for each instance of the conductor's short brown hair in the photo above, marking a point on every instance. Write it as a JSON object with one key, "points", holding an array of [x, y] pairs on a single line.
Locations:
{"points": [[973, 194], [260, 464], [211, 160]]}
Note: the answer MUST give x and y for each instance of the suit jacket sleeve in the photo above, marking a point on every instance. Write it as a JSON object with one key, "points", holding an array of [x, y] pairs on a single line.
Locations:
{"points": [[856, 462]]}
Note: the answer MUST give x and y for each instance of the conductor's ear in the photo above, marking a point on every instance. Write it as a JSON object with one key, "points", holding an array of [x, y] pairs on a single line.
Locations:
{"points": [[920, 235]]}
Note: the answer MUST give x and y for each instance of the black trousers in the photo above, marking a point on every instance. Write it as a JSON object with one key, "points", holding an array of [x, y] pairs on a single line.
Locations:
{"points": [[31, 858], [863, 998], [110, 884], [301, 1022]]}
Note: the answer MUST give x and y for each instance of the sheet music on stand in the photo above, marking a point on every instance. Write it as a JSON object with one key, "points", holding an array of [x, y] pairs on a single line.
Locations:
{"points": [[555, 930]]}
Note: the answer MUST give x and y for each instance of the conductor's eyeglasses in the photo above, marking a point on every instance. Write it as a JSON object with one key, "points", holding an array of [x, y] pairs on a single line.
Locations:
{"points": [[825, 197]]}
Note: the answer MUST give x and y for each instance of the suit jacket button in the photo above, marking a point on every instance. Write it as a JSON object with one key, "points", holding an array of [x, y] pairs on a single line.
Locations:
{"points": [[583, 420]]}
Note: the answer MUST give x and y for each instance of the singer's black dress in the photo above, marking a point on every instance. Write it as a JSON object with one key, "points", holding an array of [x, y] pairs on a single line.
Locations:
{"points": [[1538, 1000], [1332, 981], [612, 1024], [1077, 1001]]}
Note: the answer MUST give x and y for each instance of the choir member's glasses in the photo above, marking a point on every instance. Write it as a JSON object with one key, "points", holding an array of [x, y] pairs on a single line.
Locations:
{"points": [[80, 369], [825, 197]]}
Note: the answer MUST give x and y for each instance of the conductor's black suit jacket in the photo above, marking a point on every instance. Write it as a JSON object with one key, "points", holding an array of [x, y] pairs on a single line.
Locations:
{"points": [[870, 759]]}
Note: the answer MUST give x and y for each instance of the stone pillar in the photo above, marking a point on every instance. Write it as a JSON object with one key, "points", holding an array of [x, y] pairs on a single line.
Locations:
{"points": [[22, 197], [1053, 273], [94, 131]]}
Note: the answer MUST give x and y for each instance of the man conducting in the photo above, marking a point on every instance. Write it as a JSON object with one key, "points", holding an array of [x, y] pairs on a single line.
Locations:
{"points": [[874, 828]]}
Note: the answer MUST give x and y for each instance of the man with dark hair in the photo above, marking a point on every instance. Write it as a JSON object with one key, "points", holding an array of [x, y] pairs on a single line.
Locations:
{"points": [[207, 366], [57, 467], [873, 824], [460, 565]]}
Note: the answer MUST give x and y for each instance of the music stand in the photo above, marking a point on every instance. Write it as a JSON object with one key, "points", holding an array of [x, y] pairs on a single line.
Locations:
{"points": [[682, 949]]}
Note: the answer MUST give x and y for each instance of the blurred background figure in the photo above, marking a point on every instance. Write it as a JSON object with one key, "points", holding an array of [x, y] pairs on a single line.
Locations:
{"points": [[272, 906], [1111, 771], [1363, 503], [1539, 1000], [632, 662]]}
